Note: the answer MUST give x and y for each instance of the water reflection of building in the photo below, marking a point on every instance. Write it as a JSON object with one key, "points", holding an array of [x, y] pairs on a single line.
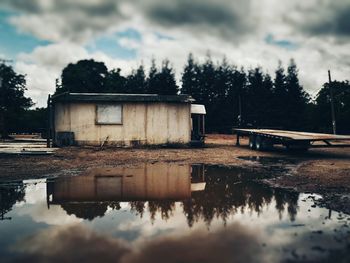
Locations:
{"points": [[205, 192], [141, 183]]}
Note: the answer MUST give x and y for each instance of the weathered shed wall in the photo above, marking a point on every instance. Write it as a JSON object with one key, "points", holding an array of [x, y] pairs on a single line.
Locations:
{"points": [[143, 123]]}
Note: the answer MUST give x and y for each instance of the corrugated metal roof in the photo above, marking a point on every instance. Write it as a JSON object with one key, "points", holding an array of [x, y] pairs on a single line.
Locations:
{"points": [[119, 97]]}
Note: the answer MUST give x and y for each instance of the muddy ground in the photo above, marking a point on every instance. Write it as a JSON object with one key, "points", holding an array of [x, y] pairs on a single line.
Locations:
{"points": [[322, 171]]}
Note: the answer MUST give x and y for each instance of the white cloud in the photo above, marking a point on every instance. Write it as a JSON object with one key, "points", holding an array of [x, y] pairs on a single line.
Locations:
{"points": [[235, 29], [45, 64]]}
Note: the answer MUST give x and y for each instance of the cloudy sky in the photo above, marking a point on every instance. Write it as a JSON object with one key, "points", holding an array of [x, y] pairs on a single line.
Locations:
{"points": [[43, 36]]}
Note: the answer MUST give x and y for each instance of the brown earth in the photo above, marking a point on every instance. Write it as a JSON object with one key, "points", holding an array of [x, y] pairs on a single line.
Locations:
{"points": [[324, 171]]}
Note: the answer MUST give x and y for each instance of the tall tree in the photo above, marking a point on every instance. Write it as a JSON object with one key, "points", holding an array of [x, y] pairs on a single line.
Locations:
{"points": [[280, 98], [136, 81], [207, 81], [115, 82], [222, 110], [83, 76], [258, 98], [297, 99], [190, 78], [12, 100], [152, 81], [162, 82], [235, 96]]}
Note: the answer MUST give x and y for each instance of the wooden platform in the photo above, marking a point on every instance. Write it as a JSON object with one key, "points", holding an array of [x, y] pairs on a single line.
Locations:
{"points": [[293, 135], [25, 147]]}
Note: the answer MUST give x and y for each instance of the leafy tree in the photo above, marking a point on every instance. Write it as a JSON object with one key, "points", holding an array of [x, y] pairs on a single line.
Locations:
{"points": [[83, 76], [32, 121], [322, 113], [12, 100]]}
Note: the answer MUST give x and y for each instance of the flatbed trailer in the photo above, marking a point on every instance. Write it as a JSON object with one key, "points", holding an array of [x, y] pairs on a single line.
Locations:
{"points": [[264, 139]]}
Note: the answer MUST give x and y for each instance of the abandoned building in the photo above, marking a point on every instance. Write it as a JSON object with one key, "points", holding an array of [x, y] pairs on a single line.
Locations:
{"points": [[124, 120]]}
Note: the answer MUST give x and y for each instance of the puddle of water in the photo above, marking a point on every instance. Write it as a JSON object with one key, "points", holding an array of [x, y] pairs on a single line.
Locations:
{"points": [[267, 160], [166, 212]]}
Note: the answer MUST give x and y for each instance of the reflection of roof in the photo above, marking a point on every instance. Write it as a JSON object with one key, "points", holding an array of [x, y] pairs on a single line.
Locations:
{"points": [[198, 109], [118, 97], [198, 187]]}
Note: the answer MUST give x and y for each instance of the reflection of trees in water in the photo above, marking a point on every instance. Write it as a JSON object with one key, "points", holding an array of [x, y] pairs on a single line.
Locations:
{"points": [[225, 194], [290, 199], [138, 207], [221, 200], [9, 195], [165, 208], [89, 210]]}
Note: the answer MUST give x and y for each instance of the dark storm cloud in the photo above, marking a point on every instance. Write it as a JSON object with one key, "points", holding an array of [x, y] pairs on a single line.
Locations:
{"points": [[76, 21], [324, 17], [337, 24], [192, 13], [80, 20], [215, 16], [22, 6], [78, 244], [95, 8]]}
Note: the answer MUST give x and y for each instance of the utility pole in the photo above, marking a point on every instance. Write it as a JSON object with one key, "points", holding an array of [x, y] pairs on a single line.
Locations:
{"points": [[334, 125], [239, 110]]}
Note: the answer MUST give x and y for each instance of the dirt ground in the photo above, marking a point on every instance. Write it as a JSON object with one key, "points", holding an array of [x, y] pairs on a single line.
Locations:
{"points": [[323, 171]]}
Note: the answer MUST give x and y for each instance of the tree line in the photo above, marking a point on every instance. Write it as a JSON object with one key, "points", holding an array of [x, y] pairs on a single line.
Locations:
{"points": [[233, 96]]}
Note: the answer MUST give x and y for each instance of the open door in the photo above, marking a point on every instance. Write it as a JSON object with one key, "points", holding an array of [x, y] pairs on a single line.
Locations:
{"points": [[198, 124]]}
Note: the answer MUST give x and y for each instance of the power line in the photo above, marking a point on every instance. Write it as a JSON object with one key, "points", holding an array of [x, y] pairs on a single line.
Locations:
{"points": [[4, 61], [334, 126]]}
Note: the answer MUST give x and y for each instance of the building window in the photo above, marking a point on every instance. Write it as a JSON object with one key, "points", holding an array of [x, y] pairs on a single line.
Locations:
{"points": [[109, 114]]}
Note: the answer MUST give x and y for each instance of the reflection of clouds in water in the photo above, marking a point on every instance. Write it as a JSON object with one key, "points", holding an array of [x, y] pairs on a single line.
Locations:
{"points": [[53, 216], [34, 191], [147, 227], [70, 244], [35, 206], [232, 244], [78, 244]]}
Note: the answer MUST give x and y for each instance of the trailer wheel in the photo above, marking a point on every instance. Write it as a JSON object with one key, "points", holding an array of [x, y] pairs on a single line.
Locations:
{"points": [[252, 144], [259, 143]]}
